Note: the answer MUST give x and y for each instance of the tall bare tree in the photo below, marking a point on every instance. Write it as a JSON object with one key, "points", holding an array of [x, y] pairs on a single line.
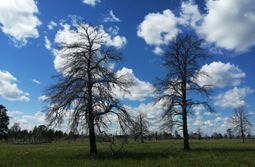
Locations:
{"points": [[240, 120], [85, 87], [140, 126], [229, 133], [177, 89]]}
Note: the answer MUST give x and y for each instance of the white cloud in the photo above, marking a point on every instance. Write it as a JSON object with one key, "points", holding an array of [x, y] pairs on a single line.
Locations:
{"points": [[221, 74], [36, 81], [216, 123], [27, 121], [139, 91], [197, 115], [9, 89], [190, 14], [113, 30], [212, 113], [91, 2], [111, 17], [232, 98], [18, 19], [68, 35], [117, 41], [51, 25], [42, 98], [152, 111], [157, 28], [47, 43], [158, 51], [229, 24]]}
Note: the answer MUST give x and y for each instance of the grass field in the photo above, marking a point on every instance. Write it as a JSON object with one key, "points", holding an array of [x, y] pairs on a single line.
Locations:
{"points": [[155, 154]]}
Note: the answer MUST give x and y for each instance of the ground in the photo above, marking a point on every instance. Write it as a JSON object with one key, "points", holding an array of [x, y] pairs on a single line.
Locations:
{"points": [[151, 153]]}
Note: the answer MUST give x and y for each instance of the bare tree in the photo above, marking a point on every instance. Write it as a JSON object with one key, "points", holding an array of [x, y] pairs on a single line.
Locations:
{"points": [[240, 120], [140, 126], [84, 90], [199, 133], [229, 133], [177, 89]]}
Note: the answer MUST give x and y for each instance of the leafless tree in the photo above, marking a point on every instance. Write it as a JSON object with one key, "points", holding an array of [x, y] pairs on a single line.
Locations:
{"points": [[176, 91], [141, 126], [84, 89], [199, 133], [229, 133], [240, 120]]}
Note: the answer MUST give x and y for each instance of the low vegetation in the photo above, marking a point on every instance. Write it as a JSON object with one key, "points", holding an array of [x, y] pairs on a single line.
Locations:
{"points": [[221, 152]]}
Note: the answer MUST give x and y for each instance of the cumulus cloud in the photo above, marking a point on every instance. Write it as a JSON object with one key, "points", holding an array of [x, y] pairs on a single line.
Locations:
{"points": [[27, 121], [91, 2], [228, 30], [68, 35], [232, 98], [18, 19], [111, 17], [220, 75], [190, 14], [158, 28], [197, 115], [216, 123], [116, 41], [9, 89], [152, 112], [229, 24], [139, 91]]}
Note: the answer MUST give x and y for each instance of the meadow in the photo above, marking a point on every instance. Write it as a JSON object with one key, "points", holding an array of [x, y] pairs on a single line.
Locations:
{"points": [[151, 153]]}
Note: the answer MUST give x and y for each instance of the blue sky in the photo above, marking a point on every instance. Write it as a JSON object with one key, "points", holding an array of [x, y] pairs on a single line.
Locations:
{"points": [[32, 29]]}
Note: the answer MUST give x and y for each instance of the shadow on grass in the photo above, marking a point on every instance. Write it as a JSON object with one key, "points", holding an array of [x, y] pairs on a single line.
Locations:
{"points": [[154, 155], [223, 149], [122, 155]]}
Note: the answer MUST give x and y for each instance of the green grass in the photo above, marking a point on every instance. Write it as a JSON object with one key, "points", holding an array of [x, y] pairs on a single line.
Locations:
{"points": [[160, 153]]}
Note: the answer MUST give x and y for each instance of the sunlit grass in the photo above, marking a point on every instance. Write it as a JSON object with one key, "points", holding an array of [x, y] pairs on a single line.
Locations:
{"points": [[160, 153]]}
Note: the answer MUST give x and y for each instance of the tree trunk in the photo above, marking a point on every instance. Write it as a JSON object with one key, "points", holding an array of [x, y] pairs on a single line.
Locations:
{"points": [[185, 130], [92, 138], [142, 141], [184, 116], [243, 136], [92, 135], [242, 131]]}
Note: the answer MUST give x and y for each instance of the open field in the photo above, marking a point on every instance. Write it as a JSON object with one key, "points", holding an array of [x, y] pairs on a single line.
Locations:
{"points": [[160, 153]]}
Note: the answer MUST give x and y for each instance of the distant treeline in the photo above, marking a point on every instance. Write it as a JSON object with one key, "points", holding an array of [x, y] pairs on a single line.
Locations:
{"points": [[42, 134]]}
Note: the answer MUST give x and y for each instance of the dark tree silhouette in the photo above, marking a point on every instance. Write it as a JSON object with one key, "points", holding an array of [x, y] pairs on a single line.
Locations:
{"points": [[229, 133], [182, 60], [240, 120], [85, 88], [4, 122], [199, 133], [140, 126], [14, 131]]}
